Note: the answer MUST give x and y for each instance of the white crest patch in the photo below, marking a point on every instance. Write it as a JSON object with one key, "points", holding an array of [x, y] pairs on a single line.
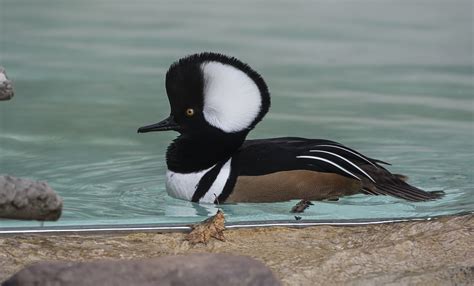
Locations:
{"points": [[232, 99]]}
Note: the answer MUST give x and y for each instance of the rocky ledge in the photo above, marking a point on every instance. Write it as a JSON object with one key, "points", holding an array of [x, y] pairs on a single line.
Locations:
{"points": [[435, 252]]}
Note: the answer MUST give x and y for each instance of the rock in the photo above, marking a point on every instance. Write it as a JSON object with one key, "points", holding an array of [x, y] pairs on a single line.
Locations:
{"points": [[26, 199], [6, 88], [194, 269], [212, 227], [438, 251]]}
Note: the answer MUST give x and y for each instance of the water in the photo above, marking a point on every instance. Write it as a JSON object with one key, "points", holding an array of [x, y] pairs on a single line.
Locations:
{"points": [[391, 79]]}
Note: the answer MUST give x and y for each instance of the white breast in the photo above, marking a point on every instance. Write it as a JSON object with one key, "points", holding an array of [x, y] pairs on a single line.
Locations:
{"points": [[183, 186]]}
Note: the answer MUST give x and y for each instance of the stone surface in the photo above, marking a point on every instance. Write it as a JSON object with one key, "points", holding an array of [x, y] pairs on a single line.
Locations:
{"points": [[195, 269], [212, 227], [436, 252], [27, 199], [6, 88]]}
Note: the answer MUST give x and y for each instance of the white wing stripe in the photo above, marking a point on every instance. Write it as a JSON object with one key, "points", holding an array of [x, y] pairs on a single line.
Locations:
{"points": [[347, 150], [354, 165], [330, 162], [218, 185]]}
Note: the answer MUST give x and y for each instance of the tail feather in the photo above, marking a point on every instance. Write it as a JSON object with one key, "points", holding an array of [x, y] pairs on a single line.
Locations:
{"points": [[405, 191], [395, 185]]}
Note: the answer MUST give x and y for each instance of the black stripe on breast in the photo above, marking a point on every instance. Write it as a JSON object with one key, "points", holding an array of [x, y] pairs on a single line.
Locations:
{"points": [[206, 182], [230, 183]]}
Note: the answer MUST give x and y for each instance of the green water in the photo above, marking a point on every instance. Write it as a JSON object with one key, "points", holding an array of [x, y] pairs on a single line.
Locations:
{"points": [[393, 79]]}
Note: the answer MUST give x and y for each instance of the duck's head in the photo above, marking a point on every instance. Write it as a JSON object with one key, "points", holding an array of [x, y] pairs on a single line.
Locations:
{"points": [[213, 94]]}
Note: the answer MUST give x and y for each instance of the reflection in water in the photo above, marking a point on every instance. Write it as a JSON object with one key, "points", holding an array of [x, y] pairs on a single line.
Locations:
{"points": [[191, 210]]}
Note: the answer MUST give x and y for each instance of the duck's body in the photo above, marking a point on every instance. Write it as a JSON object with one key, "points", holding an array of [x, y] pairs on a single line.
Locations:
{"points": [[281, 169], [215, 101]]}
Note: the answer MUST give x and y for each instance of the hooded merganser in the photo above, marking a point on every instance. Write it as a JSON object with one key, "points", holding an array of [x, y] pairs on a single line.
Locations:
{"points": [[215, 101]]}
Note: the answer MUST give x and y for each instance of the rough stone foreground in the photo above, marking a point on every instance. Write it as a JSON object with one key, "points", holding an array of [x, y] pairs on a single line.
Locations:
{"points": [[436, 252], [27, 199], [186, 270]]}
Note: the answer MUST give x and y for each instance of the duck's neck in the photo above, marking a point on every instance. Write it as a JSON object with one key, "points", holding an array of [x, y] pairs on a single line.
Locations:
{"points": [[190, 154]]}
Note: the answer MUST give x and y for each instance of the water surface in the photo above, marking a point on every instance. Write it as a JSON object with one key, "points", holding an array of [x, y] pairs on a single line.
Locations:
{"points": [[391, 79]]}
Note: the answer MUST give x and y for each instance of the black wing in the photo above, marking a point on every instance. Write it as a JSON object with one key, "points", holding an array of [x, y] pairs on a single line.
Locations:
{"points": [[265, 156]]}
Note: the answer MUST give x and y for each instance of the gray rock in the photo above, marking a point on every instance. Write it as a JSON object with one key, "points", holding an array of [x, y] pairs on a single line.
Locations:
{"points": [[6, 88], [27, 199], [194, 269]]}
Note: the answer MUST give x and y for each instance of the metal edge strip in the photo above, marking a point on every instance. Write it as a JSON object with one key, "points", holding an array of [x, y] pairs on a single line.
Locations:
{"points": [[187, 227]]}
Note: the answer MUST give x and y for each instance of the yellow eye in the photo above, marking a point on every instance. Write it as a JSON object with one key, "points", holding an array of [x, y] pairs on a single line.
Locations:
{"points": [[189, 112]]}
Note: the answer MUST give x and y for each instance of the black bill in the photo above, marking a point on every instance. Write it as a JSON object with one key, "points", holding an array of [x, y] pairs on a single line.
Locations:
{"points": [[164, 125]]}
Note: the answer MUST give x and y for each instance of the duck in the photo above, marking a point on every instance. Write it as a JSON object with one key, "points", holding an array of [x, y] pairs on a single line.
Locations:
{"points": [[215, 101]]}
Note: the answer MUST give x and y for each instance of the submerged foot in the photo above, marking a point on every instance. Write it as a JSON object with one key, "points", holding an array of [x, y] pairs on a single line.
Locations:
{"points": [[301, 206]]}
